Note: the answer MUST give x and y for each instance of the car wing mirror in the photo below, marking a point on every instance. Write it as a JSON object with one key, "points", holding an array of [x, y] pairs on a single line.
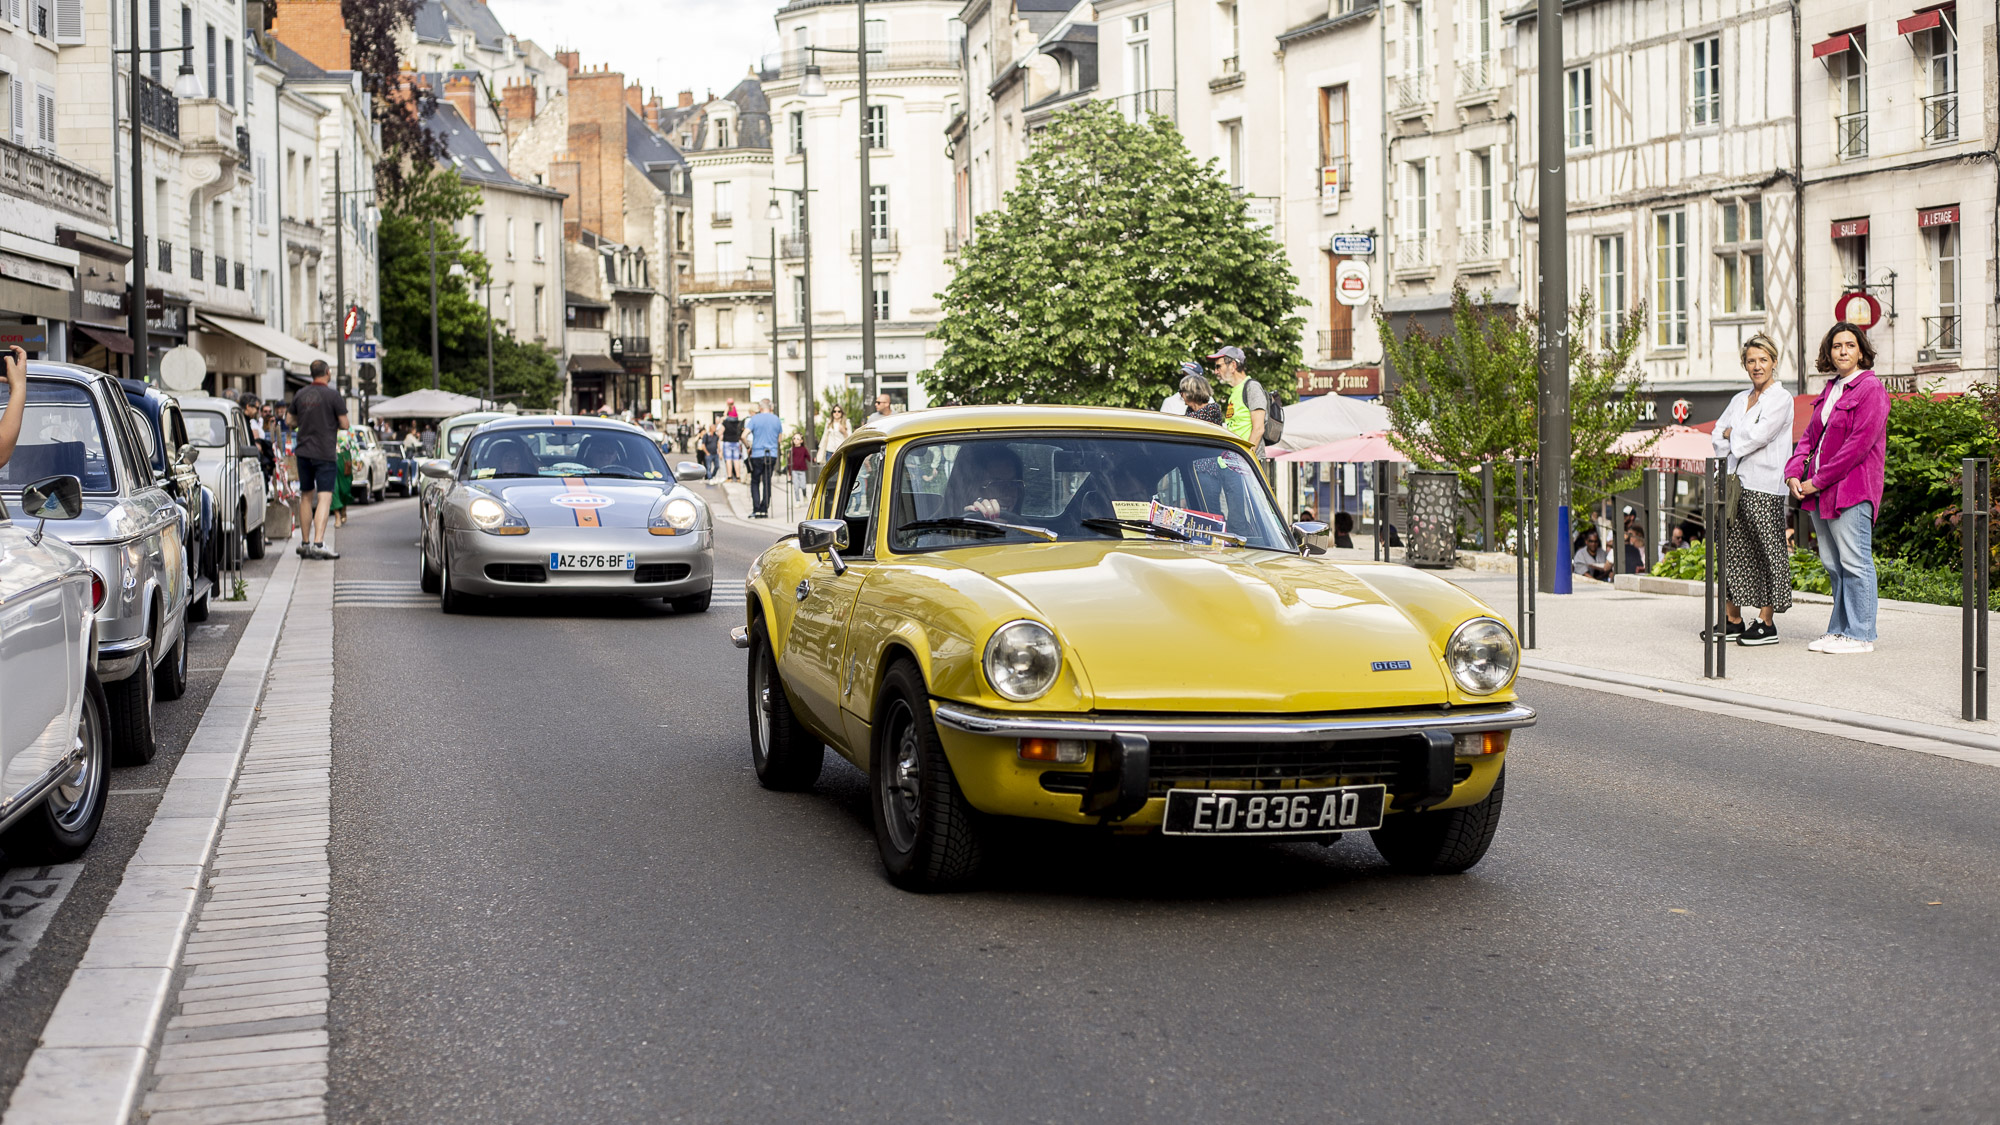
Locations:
{"points": [[1304, 531], [689, 471], [825, 537], [436, 470], [52, 498], [189, 454]]}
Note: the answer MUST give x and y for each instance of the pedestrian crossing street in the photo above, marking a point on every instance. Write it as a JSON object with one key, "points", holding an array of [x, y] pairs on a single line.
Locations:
{"points": [[368, 593]]}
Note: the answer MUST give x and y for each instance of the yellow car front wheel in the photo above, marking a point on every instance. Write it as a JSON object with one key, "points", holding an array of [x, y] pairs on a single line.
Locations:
{"points": [[930, 838], [1444, 842]]}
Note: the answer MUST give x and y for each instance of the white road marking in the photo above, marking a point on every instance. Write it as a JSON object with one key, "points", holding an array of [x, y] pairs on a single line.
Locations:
{"points": [[29, 897]]}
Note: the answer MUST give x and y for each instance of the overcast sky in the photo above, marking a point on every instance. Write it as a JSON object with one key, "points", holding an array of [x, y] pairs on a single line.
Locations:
{"points": [[670, 45]]}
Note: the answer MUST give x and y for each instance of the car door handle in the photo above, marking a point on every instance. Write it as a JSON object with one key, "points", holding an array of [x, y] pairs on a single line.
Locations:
{"points": [[804, 590]]}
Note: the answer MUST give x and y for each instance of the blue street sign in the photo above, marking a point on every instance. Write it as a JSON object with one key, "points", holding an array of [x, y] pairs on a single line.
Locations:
{"points": [[364, 350], [1359, 244]]}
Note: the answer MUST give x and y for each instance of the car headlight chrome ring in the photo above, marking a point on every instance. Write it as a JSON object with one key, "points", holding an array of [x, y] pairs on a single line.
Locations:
{"points": [[1482, 655], [1022, 660], [675, 515], [486, 512]]}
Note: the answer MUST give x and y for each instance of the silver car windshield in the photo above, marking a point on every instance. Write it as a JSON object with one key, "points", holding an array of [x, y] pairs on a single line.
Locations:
{"points": [[564, 451], [208, 429], [60, 433]]}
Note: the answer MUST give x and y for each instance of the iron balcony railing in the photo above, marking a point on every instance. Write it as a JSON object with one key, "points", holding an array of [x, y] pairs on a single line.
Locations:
{"points": [[749, 280], [1941, 118], [1475, 75], [159, 110], [237, 276], [1942, 333], [243, 146], [1146, 103], [952, 242], [1412, 91], [914, 54], [884, 242], [791, 246], [1478, 245], [1344, 165], [1850, 135], [195, 263], [221, 270], [1416, 251], [631, 345], [1336, 343], [165, 263]]}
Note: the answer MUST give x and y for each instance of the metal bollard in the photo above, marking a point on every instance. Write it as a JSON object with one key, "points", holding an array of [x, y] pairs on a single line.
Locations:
{"points": [[1649, 518], [1524, 552], [1486, 505], [1974, 532], [1714, 596]]}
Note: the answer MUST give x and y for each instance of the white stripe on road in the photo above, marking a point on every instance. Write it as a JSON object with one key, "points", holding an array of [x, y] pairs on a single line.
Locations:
{"points": [[29, 897]]}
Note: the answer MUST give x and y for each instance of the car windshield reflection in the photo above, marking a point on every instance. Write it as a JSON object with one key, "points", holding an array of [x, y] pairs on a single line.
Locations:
{"points": [[60, 433], [564, 451]]}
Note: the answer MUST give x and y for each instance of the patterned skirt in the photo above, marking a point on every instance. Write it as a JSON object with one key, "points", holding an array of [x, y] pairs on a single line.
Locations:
{"points": [[1759, 568]]}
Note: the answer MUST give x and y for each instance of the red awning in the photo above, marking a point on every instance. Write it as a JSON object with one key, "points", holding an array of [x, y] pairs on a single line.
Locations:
{"points": [[1922, 21], [117, 342], [1832, 46]]}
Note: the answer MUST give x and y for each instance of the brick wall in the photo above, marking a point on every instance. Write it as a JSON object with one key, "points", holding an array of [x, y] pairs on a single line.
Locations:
{"points": [[316, 30], [459, 91], [597, 141]]}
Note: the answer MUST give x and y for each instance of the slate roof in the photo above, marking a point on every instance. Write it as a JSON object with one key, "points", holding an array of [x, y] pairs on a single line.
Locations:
{"points": [[651, 153], [429, 22], [296, 65], [479, 19], [753, 117], [464, 150]]}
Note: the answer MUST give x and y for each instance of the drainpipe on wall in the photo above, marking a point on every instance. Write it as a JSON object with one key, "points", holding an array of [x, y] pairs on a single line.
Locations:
{"points": [[1799, 190]]}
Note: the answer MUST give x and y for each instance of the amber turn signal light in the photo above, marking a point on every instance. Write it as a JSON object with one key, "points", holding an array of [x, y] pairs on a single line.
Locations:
{"points": [[1478, 743], [1069, 751]]}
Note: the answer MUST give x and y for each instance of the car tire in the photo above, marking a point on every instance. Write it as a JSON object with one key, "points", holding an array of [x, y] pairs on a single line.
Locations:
{"points": [[929, 837], [253, 544], [170, 680], [1444, 842], [427, 575], [65, 823], [693, 603], [450, 600], [787, 756], [381, 494], [130, 705], [197, 609]]}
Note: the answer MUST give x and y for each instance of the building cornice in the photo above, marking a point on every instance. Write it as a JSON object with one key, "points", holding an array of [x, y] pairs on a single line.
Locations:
{"points": [[1322, 27]]}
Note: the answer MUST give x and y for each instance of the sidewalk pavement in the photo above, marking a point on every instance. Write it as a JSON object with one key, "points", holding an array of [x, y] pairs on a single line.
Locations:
{"points": [[730, 501]]}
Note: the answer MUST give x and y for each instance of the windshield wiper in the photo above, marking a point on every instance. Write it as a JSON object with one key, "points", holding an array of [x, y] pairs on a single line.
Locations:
{"points": [[1106, 523], [985, 526], [615, 471]]}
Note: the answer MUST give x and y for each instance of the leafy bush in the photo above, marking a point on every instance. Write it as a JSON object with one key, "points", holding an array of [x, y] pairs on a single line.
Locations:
{"points": [[1895, 579], [1683, 562], [1929, 436], [1809, 575]]}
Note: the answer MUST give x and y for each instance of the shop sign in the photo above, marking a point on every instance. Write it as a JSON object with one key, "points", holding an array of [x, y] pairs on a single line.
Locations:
{"points": [[1851, 228], [1899, 384], [168, 318], [1360, 245], [1936, 217], [1846, 301], [21, 334], [35, 273], [100, 293], [364, 350], [1341, 381], [1351, 283]]}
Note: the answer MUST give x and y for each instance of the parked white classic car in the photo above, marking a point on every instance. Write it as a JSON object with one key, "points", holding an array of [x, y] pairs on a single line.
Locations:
{"points": [[368, 466], [229, 466]]}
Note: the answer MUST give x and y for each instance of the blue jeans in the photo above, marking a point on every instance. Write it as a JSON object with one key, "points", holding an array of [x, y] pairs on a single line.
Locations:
{"points": [[1847, 550]]}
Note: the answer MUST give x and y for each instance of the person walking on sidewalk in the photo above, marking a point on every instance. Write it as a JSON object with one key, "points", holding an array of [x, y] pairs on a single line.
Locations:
{"points": [[711, 443], [837, 431], [1754, 433], [732, 440], [801, 465], [1246, 404], [321, 414], [764, 429], [1836, 474]]}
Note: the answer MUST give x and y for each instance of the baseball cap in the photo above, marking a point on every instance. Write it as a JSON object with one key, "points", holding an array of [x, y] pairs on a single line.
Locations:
{"points": [[1192, 368], [1231, 351]]}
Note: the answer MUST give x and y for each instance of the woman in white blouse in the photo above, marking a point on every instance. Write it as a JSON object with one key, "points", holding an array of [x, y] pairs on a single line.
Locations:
{"points": [[834, 436], [1755, 434]]}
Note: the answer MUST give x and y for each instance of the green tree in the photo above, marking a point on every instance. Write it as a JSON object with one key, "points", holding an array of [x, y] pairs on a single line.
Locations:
{"points": [[1115, 258], [1469, 395], [1929, 437]]}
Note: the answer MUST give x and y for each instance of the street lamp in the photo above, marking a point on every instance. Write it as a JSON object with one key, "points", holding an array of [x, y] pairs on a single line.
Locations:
{"points": [[813, 85], [776, 213], [186, 85]]}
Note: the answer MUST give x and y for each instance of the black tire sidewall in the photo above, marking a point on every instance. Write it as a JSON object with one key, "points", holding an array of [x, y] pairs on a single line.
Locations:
{"points": [[131, 731], [924, 867]]}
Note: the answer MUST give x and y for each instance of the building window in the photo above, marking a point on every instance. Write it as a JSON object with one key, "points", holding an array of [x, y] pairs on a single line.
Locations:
{"points": [[211, 60], [1610, 288], [797, 122], [1850, 94], [798, 299], [540, 246], [878, 213], [1476, 47], [187, 36], [1943, 333], [1415, 46], [1138, 54], [722, 132], [541, 301], [1475, 209], [153, 36], [510, 238], [878, 126], [725, 257], [263, 193], [881, 296], [1232, 38], [1741, 254], [1706, 80], [725, 201], [479, 232], [725, 327], [1580, 106], [1670, 257], [228, 72], [1232, 150], [1414, 249], [1940, 76], [1333, 137]]}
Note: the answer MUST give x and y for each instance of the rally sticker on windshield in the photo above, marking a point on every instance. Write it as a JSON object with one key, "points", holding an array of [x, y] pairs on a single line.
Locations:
{"points": [[1187, 521]]}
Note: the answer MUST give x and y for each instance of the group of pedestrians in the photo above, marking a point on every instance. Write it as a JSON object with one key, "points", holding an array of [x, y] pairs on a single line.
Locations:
{"points": [[1243, 407]]}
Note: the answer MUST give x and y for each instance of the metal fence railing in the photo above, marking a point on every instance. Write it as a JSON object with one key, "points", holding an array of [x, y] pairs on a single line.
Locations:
{"points": [[1975, 544]]}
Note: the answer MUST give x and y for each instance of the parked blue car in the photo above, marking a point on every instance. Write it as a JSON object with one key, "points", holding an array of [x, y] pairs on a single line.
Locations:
{"points": [[159, 415]]}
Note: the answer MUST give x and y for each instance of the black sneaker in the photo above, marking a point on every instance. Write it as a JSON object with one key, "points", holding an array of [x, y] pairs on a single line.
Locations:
{"points": [[1759, 634], [1730, 631]]}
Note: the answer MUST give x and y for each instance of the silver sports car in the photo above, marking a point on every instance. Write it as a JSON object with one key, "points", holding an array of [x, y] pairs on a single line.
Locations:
{"points": [[566, 506]]}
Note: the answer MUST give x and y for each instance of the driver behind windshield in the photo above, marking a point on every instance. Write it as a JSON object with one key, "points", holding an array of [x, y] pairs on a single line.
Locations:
{"points": [[986, 483], [509, 458], [605, 454]]}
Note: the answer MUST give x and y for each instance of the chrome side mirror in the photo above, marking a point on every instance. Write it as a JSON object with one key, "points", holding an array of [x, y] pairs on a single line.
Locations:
{"points": [[1303, 533], [825, 537], [436, 470], [689, 471], [51, 498], [188, 454]]}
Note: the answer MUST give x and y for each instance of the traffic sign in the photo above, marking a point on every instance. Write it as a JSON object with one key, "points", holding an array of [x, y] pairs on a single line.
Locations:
{"points": [[1358, 244], [364, 350], [183, 369], [1351, 283]]}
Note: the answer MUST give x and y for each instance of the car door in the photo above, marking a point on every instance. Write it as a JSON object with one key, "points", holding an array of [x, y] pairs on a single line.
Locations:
{"points": [[160, 540], [249, 470], [43, 627], [816, 661]]}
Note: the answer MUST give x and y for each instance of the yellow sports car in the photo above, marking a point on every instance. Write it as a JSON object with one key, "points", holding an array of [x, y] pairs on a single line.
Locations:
{"points": [[1098, 617]]}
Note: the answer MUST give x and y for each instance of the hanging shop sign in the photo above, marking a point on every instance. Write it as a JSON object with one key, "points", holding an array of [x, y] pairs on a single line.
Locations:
{"points": [[1847, 300]]}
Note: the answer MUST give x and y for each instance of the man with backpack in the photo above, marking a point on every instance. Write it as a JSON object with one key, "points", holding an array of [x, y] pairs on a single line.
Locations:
{"points": [[1247, 411]]}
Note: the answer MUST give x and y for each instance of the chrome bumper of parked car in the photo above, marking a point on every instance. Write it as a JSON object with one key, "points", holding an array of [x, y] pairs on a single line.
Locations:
{"points": [[119, 659], [1105, 726]]}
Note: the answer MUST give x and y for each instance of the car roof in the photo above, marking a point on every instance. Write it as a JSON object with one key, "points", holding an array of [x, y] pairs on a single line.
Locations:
{"points": [[69, 371], [581, 421], [209, 402], [970, 419], [474, 417]]}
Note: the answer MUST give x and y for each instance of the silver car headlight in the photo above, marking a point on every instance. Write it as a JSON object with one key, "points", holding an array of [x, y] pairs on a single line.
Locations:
{"points": [[496, 517], [1482, 656], [674, 515], [1022, 660]]}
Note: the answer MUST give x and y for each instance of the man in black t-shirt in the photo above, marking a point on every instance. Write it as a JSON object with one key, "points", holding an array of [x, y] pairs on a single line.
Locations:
{"points": [[321, 413], [732, 441]]}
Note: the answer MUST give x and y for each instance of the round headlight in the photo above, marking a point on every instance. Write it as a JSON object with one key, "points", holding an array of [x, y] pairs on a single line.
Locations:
{"points": [[682, 513], [487, 513], [1482, 656], [1022, 660]]}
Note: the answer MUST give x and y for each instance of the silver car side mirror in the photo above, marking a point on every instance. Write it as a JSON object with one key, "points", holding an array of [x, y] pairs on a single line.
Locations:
{"points": [[189, 454], [1304, 531], [436, 470], [825, 537], [689, 470], [53, 498]]}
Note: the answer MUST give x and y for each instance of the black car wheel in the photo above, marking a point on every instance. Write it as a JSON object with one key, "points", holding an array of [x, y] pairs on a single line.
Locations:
{"points": [[67, 820], [253, 544], [693, 603], [130, 703], [929, 837], [170, 681], [1445, 842], [427, 575], [450, 600], [788, 757]]}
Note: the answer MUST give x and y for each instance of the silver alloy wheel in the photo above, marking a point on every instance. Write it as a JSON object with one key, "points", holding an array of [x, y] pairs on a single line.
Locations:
{"points": [[902, 793], [760, 694], [74, 799]]}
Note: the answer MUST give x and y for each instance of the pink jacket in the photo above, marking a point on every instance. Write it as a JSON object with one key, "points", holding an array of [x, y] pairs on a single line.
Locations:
{"points": [[1843, 457]]}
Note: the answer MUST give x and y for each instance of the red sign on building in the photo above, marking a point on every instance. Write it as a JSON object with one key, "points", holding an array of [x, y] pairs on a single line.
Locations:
{"points": [[1851, 228], [1937, 217]]}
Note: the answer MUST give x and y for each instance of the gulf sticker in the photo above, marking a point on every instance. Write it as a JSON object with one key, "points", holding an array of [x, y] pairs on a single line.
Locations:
{"points": [[583, 502]]}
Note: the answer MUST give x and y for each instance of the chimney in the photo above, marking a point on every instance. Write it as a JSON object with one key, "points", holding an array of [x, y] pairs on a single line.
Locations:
{"points": [[686, 99], [569, 59], [635, 98], [458, 90], [597, 109], [317, 30]]}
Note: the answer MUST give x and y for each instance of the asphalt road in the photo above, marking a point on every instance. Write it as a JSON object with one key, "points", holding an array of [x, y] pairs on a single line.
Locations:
{"points": [[560, 895]]}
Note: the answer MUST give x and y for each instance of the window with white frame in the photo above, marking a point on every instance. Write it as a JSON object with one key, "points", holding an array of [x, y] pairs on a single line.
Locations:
{"points": [[881, 294], [1232, 152], [1940, 81], [725, 327], [1850, 95], [796, 121], [1232, 42], [725, 257], [798, 299], [1414, 248], [1413, 46], [510, 238], [1705, 80], [1740, 256], [479, 232], [878, 214], [1610, 288], [1139, 53], [540, 244], [45, 118], [1943, 333], [725, 201], [1475, 46], [878, 126], [1580, 106], [263, 192], [541, 301], [1477, 233], [1670, 279]]}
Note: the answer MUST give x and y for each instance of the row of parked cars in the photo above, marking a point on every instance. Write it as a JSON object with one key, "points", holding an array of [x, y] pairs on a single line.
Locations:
{"points": [[120, 509]]}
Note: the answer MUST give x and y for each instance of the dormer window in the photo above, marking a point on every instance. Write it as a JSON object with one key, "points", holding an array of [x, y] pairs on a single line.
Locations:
{"points": [[722, 132]]}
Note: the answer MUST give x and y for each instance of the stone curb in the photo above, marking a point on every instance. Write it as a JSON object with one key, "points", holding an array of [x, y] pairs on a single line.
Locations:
{"points": [[96, 1046], [1839, 716]]}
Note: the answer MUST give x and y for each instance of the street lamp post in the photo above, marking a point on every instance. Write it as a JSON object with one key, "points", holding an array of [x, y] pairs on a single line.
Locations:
{"points": [[186, 85], [435, 371], [1553, 391], [776, 214], [813, 85], [340, 194]]}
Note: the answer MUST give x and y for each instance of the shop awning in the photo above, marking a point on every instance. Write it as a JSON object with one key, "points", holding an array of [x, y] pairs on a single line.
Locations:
{"points": [[268, 339], [113, 340], [1834, 46], [1922, 21], [595, 365]]}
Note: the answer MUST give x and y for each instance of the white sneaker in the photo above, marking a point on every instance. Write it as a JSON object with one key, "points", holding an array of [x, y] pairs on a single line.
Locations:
{"points": [[1847, 645], [1820, 644]]}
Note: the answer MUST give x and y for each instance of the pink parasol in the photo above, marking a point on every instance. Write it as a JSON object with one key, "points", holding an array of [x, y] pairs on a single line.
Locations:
{"points": [[1366, 447]]}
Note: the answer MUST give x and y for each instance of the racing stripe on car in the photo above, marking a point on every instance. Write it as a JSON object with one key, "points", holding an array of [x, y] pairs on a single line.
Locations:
{"points": [[562, 421], [585, 517]]}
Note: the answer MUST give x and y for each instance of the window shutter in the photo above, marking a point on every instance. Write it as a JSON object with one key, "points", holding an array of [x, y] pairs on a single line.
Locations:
{"points": [[263, 193], [69, 21], [45, 117], [18, 98]]}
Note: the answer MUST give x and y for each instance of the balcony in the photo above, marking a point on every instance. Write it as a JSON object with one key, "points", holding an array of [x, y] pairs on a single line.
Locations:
{"points": [[1231, 76], [165, 260], [159, 110], [222, 271], [1144, 104], [1850, 136], [1336, 344], [631, 347], [1475, 76], [1941, 118], [243, 142], [952, 242], [749, 280], [913, 54], [884, 242], [49, 180], [1412, 92], [1416, 252], [1478, 245], [1944, 334], [722, 219], [791, 246], [195, 263]]}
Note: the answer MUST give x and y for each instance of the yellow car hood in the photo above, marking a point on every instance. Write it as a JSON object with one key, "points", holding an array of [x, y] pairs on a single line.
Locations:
{"points": [[1155, 626]]}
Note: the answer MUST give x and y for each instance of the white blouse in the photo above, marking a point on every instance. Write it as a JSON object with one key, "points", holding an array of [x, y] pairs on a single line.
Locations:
{"points": [[1760, 438]]}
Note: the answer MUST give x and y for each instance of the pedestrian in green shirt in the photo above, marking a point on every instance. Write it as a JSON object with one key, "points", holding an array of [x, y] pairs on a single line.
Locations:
{"points": [[1245, 406]]}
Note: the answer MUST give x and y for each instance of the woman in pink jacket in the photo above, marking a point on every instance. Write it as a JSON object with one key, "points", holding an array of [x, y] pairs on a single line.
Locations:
{"points": [[1836, 474]]}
